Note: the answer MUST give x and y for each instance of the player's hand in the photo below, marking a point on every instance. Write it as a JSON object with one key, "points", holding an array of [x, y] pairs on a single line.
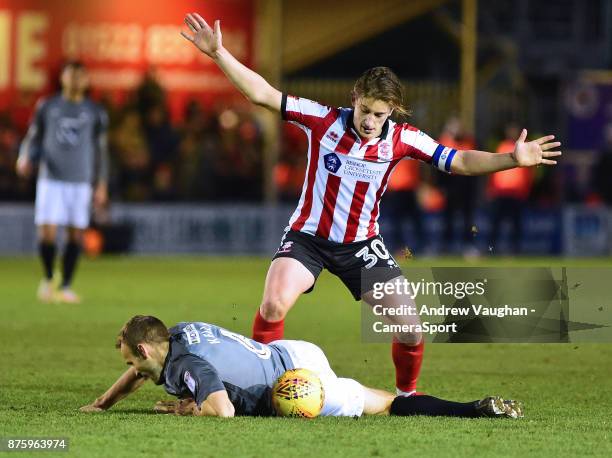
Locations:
{"points": [[203, 36], [185, 407], [23, 167], [91, 408], [100, 197], [165, 406], [180, 407], [535, 152]]}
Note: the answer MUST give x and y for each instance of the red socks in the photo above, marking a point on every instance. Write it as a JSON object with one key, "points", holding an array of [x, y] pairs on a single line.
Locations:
{"points": [[267, 331], [407, 360]]}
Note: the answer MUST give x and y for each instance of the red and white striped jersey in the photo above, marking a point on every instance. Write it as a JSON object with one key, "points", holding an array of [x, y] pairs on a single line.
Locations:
{"points": [[346, 177]]}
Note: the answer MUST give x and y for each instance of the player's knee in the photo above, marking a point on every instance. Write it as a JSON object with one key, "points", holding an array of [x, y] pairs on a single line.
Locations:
{"points": [[410, 338], [275, 307], [75, 236], [46, 238], [47, 234]]}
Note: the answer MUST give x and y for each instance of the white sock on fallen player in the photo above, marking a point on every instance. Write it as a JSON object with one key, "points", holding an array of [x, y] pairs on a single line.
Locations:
{"points": [[404, 393]]}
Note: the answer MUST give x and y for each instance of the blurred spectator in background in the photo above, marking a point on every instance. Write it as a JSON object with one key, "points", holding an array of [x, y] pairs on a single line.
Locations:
{"points": [[460, 191], [509, 190], [149, 93], [238, 164], [21, 111], [603, 169], [214, 154], [291, 167], [196, 152], [162, 143], [250, 138], [132, 157], [10, 187], [401, 205]]}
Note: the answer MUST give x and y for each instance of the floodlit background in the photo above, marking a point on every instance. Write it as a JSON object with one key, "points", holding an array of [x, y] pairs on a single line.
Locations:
{"points": [[196, 169]]}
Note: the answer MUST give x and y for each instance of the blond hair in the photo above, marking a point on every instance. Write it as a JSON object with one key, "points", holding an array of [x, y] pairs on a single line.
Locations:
{"points": [[380, 83]]}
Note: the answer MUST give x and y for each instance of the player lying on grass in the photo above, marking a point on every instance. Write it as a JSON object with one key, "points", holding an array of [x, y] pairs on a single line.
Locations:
{"points": [[351, 155], [216, 372]]}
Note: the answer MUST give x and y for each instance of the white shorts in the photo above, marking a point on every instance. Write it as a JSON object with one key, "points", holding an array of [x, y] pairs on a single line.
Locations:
{"points": [[62, 203], [344, 397]]}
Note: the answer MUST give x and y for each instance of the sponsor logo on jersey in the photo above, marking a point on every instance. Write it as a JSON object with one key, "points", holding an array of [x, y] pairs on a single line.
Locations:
{"points": [[333, 136], [332, 162], [192, 334], [361, 170], [190, 382], [69, 129]]}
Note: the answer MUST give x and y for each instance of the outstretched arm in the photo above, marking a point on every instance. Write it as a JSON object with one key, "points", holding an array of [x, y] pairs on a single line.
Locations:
{"points": [[525, 154], [129, 382], [209, 41]]}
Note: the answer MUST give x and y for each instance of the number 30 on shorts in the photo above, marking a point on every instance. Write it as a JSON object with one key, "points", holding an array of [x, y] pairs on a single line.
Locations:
{"points": [[378, 252]]}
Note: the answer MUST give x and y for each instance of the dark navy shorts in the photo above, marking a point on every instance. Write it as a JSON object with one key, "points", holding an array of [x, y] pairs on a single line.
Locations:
{"points": [[359, 264]]}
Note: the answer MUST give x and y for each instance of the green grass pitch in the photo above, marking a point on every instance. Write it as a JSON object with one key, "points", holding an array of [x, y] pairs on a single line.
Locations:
{"points": [[56, 358]]}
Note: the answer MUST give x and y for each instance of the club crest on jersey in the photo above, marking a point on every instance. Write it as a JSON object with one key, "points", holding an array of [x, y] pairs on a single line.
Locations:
{"points": [[332, 162], [384, 151]]}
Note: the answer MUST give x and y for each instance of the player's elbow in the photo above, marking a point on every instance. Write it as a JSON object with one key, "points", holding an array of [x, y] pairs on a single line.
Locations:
{"points": [[218, 404], [267, 97], [261, 101], [460, 165]]}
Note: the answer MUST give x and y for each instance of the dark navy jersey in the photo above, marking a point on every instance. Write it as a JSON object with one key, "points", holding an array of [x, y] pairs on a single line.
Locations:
{"points": [[204, 358], [69, 139]]}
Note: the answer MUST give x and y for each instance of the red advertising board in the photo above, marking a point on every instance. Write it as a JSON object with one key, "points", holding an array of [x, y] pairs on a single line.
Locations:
{"points": [[118, 40]]}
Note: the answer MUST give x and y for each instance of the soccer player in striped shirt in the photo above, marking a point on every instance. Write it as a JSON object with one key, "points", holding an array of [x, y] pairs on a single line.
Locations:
{"points": [[352, 152]]}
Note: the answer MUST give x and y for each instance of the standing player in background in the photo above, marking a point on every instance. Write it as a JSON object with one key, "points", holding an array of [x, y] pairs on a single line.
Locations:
{"points": [[67, 137], [351, 154]]}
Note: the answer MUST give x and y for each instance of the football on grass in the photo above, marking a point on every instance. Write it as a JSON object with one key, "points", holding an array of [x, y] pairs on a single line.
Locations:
{"points": [[298, 393]]}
